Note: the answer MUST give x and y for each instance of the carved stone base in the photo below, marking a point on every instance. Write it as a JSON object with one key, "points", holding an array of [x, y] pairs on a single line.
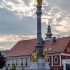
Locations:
{"points": [[40, 65]]}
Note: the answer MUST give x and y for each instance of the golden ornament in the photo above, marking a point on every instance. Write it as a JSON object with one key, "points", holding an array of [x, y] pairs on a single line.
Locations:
{"points": [[46, 56], [39, 2], [34, 57]]}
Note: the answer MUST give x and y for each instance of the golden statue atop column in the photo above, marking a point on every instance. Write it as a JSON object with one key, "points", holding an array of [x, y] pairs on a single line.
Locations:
{"points": [[39, 57], [39, 2]]}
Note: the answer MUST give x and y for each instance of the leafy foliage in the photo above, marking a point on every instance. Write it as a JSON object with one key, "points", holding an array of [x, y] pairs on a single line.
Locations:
{"points": [[13, 67], [2, 61]]}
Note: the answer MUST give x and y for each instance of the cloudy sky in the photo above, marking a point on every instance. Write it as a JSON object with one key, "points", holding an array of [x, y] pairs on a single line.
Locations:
{"points": [[18, 20]]}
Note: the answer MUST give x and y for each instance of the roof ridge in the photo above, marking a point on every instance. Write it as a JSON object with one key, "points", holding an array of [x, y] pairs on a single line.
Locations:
{"points": [[27, 39]]}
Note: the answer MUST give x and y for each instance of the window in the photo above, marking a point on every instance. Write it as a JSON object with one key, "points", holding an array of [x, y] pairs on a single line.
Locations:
{"points": [[26, 62], [49, 60], [8, 62], [55, 60], [21, 61]]}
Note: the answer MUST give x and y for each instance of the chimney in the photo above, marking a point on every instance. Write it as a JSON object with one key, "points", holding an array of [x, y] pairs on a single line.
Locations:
{"points": [[54, 39]]}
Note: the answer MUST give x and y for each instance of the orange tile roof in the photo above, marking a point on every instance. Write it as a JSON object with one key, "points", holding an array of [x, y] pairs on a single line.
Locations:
{"points": [[26, 47], [57, 46]]}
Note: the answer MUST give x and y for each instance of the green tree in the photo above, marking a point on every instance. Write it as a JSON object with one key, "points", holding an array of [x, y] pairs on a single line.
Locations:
{"points": [[2, 61], [13, 67]]}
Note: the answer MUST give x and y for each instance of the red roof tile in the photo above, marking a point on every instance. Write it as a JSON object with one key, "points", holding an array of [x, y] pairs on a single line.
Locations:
{"points": [[26, 47], [57, 46]]}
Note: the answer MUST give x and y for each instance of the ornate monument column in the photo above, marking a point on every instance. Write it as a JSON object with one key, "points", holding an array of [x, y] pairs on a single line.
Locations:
{"points": [[39, 45], [39, 57]]}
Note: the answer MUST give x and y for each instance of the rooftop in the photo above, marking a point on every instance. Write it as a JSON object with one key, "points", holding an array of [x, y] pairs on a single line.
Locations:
{"points": [[26, 47]]}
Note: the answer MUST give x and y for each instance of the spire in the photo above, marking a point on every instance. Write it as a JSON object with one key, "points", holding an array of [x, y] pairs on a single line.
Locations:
{"points": [[49, 34]]}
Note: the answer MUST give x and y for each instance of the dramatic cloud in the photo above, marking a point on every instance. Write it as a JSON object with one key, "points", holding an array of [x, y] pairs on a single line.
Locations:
{"points": [[8, 41], [58, 11], [19, 7], [15, 38], [18, 19]]}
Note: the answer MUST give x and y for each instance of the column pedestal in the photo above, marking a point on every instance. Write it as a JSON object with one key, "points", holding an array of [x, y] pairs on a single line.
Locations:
{"points": [[40, 65]]}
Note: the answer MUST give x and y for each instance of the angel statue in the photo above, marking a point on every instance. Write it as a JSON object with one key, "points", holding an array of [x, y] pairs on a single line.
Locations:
{"points": [[39, 2]]}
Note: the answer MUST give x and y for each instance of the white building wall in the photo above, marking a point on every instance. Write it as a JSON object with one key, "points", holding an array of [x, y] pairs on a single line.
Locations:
{"points": [[19, 62]]}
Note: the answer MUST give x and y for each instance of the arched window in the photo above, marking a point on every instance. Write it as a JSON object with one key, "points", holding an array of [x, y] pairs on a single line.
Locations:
{"points": [[49, 60], [55, 60]]}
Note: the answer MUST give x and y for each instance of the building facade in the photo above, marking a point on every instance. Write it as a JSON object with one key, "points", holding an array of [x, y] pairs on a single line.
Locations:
{"points": [[20, 62], [58, 54]]}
